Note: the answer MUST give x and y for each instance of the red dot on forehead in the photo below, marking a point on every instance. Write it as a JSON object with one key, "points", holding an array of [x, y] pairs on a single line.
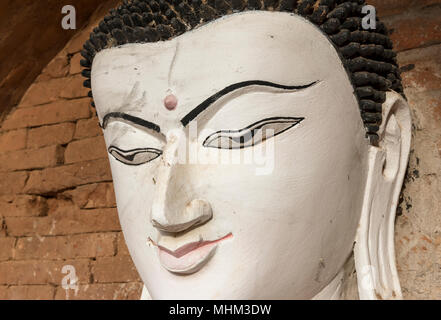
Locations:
{"points": [[171, 102]]}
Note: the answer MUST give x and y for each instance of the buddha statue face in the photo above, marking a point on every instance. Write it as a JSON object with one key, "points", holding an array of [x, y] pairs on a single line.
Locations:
{"points": [[241, 165]]}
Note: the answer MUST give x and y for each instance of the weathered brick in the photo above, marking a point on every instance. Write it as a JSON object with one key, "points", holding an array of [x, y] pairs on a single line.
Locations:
{"points": [[53, 228], [23, 206], [122, 246], [74, 66], [3, 292], [92, 196], [102, 291], [13, 182], [415, 29], [50, 135], [60, 111], [36, 292], [57, 68], [48, 90], [27, 226], [33, 272], [31, 159], [6, 248], [74, 88], [43, 92], [426, 118], [65, 222], [391, 7], [3, 233], [84, 150], [13, 140], [68, 176], [114, 269], [66, 247], [425, 68], [87, 128], [76, 43]]}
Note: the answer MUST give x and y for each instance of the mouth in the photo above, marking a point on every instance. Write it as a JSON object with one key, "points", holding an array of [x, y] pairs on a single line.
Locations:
{"points": [[190, 257]]}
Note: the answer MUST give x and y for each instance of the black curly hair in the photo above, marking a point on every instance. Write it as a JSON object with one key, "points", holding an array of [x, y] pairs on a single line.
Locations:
{"points": [[366, 54]]}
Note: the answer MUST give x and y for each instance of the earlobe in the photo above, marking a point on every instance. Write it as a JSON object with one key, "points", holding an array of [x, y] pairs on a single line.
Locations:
{"points": [[374, 250]]}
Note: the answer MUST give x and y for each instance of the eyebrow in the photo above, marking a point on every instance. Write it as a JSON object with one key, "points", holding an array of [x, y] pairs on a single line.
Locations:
{"points": [[201, 107], [129, 118], [208, 102]]}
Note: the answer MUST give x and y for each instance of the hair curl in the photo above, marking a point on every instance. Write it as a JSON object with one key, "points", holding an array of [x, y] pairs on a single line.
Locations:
{"points": [[366, 54]]}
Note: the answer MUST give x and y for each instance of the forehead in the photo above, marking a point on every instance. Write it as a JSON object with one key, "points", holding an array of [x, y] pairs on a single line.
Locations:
{"points": [[273, 46]]}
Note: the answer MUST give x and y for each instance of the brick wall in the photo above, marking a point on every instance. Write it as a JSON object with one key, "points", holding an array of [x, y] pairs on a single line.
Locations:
{"points": [[57, 205], [416, 27]]}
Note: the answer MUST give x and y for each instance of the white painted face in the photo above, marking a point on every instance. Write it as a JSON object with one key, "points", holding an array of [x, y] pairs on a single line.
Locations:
{"points": [[279, 226]]}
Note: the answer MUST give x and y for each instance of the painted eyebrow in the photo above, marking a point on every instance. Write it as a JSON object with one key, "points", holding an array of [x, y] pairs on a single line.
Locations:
{"points": [[208, 102], [129, 118]]}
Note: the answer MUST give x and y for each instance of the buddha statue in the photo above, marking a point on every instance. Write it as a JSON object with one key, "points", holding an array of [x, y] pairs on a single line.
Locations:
{"points": [[257, 148]]}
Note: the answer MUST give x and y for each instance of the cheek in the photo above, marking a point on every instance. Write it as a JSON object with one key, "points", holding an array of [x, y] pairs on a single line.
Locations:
{"points": [[308, 205], [134, 190], [310, 182], [304, 210]]}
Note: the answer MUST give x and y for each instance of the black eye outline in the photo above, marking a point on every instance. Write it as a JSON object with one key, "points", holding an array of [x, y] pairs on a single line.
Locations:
{"points": [[127, 157], [245, 135]]}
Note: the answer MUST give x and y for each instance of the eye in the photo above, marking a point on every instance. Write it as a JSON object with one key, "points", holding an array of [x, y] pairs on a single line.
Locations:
{"points": [[251, 135], [134, 157]]}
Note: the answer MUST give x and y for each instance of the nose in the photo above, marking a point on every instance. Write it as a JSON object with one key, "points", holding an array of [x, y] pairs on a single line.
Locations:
{"points": [[195, 213], [176, 207]]}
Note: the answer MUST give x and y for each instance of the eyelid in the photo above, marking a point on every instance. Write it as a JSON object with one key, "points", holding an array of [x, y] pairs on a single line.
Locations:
{"points": [[131, 128], [126, 137], [234, 87], [128, 157], [231, 136]]}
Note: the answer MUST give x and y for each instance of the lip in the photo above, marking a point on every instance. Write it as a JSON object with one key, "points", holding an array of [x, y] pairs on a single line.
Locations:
{"points": [[190, 257]]}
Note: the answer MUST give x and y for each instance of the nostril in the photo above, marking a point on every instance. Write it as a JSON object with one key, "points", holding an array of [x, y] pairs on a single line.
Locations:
{"points": [[195, 213], [198, 208], [175, 228]]}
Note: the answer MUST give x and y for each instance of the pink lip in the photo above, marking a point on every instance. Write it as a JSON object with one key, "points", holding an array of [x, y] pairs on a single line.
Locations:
{"points": [[190, 257]]}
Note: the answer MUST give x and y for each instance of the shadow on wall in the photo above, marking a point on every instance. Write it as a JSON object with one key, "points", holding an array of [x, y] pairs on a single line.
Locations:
{"points": [[30, 36]]}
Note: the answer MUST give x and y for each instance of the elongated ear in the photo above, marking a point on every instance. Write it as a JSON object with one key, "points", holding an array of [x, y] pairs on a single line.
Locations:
{"points": [[374, 250]]}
